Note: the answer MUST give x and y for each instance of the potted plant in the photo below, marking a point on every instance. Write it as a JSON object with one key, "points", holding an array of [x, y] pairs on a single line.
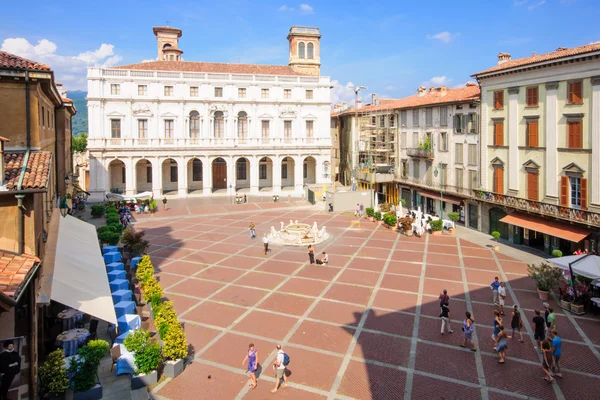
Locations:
{"points": [[377, 217], [545, 277], [54, 380], [97, 211], [147, 356], [436, 227], [454, 217], [370, 211], [406, 225], [84, 370], [582, 295], [557, 253], [496, 235], [152, 205], [565, 296], [135, 242], [175, 349], [390, 220]]}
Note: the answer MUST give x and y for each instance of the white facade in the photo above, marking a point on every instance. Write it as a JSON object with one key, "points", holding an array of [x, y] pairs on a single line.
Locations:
{"points": [[185, 132]]}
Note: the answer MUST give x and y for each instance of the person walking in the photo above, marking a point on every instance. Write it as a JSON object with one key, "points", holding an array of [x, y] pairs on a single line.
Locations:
{"points": [[252, 358], [494, 286], [556, 353], [245, 199], [444, 298], [10, 366], [501, 344], [266, 243], [547, 361], [361, 209], [539, 328], [165, 203], [279, 368], [446, 318], [550, 322], [497, 323], [516, 323], [357, 210], [311, 254], [546, 314], [468, 331], [501, 297], [252, 230]]}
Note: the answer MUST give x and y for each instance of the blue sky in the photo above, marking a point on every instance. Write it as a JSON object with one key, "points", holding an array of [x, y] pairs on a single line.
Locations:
{"points": [[390, 46]]}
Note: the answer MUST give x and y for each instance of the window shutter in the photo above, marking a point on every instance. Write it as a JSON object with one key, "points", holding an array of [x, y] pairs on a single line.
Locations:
{"points": [[584, 195], [564, 191], [577, 92], [570, 135], [577, 139], [499, 133], [501, 180], [532, 186], [533, 133]]}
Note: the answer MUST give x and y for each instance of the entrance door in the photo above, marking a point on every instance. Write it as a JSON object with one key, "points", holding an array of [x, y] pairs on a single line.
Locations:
{"points": [[496, 215], [219, 174]]}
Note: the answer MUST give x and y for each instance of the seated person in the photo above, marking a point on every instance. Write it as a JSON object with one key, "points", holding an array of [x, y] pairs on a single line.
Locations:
{"points": [[324, 259]]}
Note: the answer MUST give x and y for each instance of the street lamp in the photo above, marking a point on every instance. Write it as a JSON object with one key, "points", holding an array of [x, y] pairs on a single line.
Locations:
{"points": [[64, 208], [356, 90], [435, 172]]}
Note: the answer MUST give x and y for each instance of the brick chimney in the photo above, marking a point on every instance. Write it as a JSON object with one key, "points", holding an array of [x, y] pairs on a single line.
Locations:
{"points": [[358, 103], [442, 91], [503, 57], [2, 140], [421, 91]]}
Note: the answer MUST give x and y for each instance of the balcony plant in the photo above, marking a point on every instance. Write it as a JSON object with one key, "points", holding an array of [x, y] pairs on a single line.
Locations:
{"points": [[84, 370], [436, 227], [496, 235], [54, 380], [97, 211], [545, 277]]}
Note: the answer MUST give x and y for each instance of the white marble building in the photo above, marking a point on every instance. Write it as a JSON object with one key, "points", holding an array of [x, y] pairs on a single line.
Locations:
{"points": [[180, 127]]}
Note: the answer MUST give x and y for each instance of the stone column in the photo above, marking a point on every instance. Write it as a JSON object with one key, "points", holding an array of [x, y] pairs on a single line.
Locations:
{"points": [[551, 127], [206, 176], [253, 175], [130, 177], [298, 174], [156, 177], [182, 177], [513, 140], [276, 174], [595, 176]]}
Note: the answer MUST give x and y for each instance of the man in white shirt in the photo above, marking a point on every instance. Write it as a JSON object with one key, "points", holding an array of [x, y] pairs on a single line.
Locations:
{"points": [[266, 243], [324, 259], [501, 297], [280, 368]]}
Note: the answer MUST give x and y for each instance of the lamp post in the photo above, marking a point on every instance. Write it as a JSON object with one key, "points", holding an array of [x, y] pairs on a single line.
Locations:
{"points": [[441, 189], [356, 90]]}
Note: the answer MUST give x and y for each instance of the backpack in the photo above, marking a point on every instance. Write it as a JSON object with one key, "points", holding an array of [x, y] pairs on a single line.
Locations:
{"points": [[286, 359]]}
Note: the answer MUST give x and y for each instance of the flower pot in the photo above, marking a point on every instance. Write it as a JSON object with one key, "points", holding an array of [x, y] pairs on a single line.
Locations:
{"points": [[565, 304], [142, 380], [408, 232], [543, 294], [436, 233], [371, 219], [173, 368], [94, 393], [452, 230], [577, 308]]}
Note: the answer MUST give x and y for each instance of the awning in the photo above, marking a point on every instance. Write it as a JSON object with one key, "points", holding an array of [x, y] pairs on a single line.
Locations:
{"points": [[80, 190], [448, 198], [587, 265], [73, 271], [553, 228]]}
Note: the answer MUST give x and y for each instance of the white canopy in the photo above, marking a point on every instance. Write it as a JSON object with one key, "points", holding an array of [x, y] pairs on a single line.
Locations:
{"points": [[132, 198], [587, 265], [74, 273]]}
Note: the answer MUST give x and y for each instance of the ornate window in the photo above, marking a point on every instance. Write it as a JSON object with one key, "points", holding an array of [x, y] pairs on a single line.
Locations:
{"points": [[301, 50], [194, 124], [310, 51], [219, 124], [242, 125]]}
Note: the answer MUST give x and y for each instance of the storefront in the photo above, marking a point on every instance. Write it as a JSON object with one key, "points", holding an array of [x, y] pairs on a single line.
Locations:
{"points": [[431, 201]]}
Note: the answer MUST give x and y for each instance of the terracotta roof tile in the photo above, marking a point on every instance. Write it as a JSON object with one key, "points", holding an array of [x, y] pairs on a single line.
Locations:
{"points": [[193, 66], [555, 55], [8, 60], [14, 270], [36, 173]]}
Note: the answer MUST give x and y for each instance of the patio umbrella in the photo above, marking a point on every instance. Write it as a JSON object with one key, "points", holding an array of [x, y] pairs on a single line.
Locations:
{"points": [[587, 265]]}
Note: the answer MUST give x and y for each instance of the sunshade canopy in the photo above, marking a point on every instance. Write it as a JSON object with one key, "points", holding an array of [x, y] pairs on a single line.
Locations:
{"points": [[553, 228], [587, 265]]}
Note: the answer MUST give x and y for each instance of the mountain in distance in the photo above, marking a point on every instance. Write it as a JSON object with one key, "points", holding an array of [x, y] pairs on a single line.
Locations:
{"points": [[80, 120]]}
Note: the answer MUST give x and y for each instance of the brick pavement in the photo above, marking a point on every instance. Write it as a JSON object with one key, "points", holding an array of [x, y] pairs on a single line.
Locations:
{"points": [[366, 326]]}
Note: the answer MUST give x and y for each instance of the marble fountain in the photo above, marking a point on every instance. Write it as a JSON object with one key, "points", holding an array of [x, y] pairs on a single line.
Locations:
{"points": [[297, 234]]}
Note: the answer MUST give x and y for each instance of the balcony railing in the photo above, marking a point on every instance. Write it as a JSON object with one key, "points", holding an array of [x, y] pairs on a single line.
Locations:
{"points": [[434, 184], [420, 153], [551, 210], [156, 143]]}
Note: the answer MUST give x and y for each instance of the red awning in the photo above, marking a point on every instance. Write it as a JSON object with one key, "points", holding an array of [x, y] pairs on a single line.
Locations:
{"points": [[562, 230], [448, 198]]}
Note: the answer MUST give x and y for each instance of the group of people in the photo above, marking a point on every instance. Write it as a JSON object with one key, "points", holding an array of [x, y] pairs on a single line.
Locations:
{"points": [[359, 210], [324, 259], [279, 366]]}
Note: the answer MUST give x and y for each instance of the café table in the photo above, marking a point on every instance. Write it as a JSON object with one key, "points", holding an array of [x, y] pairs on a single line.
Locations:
{"points": [[119, 284], [110, 249], [71, 339], [116, 266], [129, 322], [124, 307], [117, 274], [69, 316], [121, 338], [448, 224], [115, 256], [134, 262], [126, 362], [122, 295]]}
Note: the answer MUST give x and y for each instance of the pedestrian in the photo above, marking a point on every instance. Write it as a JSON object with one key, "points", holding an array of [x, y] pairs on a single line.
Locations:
{"points": [[362, 209], [165, 203], [357, 210], [497, 322], [539, 328], [324, 259], [252, 230], [10, 366], [501, 297], [550, 322], [279, 367], [252, 357], [501, 344], [556, 353], [468, 331], [266, 243], [444, 298], [547, 361], [494, 286], [516, 323], [245, 199], [446, 318], [311, 254]]}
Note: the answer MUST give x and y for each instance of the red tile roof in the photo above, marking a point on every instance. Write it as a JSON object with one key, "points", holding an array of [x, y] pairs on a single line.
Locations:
{"points": [[192, 66], [13, 270], [8, 60], [555, 55], [36, 173]]}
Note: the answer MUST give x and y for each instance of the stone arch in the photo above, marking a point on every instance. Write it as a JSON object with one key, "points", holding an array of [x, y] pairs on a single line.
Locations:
{"points": [[288, 169], [169, 174], [265, 173], [309, 170], [116, 175], [195, 174], [242, 170], [144, 175]]}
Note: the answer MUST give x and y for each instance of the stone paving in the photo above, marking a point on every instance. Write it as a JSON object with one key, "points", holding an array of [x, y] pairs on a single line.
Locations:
{"points": [[366, 326]]}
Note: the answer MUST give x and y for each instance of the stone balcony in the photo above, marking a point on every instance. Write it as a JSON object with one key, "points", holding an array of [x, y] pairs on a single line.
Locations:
{"points": [[420, 153]]}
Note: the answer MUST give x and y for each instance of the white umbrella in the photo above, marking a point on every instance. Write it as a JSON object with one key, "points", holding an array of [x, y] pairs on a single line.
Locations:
{"points": [[587, 265]]}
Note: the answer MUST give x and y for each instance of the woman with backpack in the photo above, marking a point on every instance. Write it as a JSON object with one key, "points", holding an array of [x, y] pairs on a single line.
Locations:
{"points": [[516, 323], [252, 357], [468, 331]]}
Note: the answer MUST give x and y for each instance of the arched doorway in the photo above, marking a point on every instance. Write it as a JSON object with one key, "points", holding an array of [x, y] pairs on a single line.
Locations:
{"points": [[116, 176], [496, 214], [287, 173], [219, 174], [309, 170], [143, 173], [170, 175], [265, 174], [195, 175], [242, 173]]}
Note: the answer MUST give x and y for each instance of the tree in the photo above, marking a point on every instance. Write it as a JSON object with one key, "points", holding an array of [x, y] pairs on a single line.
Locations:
{"points": [[80, 143]]}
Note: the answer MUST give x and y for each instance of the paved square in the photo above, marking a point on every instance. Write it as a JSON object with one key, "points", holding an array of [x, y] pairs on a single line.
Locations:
{"points": [[366, 326]]}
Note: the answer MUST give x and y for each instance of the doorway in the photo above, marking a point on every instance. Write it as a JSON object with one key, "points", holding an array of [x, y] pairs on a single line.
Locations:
{"points": [[219, 174], [496, 214]]}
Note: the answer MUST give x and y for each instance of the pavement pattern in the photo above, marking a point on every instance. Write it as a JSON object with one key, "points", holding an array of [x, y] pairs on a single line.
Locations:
{"points": [[365, 326]]}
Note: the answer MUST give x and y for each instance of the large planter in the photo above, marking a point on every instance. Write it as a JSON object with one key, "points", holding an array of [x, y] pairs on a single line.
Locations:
{"points": [[452, 230], [94, 393], [543, 294], [565, 304], [371, 219], [577, 309], [142, 380], [436, 233], [173, 368]]}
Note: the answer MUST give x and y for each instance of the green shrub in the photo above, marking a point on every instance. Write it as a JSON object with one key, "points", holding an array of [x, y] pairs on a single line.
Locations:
{"points": [[496, 235], [377, 216], [148, 359], [557, 253], [144, 270], [112, 238], [97, 210], [390, 219], [175, 343], [85, 369], [370, 211], [101, 230], [151, 288], [152, 204], [53, 374], [112, 219], [118, 228], [403, 202], [165, 315], [454, 216], [437, 225], [137, 340]]}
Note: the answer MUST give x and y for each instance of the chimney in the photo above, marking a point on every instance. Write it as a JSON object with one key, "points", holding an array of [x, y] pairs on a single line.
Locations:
{"points": [[442, 90], [373, 98], [421, 91], [503, 57], [2, 140], [561, 49], [358, 103], [470, 84], [61, 90]]}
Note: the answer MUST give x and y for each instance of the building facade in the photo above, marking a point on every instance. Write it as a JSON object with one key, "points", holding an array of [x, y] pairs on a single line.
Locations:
{"points": [[540, 136], [177, 127]]}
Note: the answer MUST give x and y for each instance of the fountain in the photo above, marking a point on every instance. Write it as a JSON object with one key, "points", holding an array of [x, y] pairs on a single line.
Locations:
{"points": [[298, 234]]}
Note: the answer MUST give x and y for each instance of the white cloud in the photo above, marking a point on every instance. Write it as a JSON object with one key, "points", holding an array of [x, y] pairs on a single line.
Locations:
{"points": [[302, 8], [68, 69], [462, 85], [445, 36], [437, 81], [343, 93], [536, 5], [518, 3], [286, 8], [306, 9], [149, 60]]}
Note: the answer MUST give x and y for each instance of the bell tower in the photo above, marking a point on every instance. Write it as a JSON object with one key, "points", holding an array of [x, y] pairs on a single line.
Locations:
{"points": [[305, 50], [168, 43]]}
